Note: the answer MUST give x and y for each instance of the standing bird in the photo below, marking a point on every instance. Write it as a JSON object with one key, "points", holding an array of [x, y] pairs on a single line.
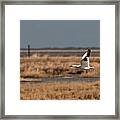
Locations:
{"points": [[85, 62]]}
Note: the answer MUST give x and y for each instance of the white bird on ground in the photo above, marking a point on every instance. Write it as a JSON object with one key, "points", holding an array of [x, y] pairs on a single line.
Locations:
{"points": [[85, 62]]}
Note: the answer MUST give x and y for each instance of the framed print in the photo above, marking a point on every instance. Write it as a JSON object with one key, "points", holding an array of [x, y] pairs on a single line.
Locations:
{"points": [[60, 59]]}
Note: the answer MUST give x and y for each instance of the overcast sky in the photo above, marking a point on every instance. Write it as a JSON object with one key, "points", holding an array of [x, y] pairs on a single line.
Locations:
{"points": [[59, 33]]}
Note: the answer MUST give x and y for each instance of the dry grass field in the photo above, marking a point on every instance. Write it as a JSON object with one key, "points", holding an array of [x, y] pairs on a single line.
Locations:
{"points": [[57, 66], [50, 66], [60, 91]]}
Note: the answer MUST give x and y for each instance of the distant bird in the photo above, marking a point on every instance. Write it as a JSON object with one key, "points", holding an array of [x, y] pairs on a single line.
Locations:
{"points": [[85, 62]]}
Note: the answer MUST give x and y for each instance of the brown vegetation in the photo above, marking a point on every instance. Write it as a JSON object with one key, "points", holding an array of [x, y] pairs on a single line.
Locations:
{"points": [[50, 66], [60, 91]]}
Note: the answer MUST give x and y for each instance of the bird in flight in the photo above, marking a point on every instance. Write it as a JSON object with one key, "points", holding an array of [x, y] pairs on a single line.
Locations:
{"points": [[85, 62]]}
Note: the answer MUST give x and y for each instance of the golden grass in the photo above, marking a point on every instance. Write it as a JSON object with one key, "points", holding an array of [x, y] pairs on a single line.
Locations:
{"points": [[50, 66], [60, 91]]}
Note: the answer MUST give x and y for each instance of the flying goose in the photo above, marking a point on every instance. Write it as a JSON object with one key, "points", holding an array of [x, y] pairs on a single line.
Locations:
{"points": [[85, 62]]}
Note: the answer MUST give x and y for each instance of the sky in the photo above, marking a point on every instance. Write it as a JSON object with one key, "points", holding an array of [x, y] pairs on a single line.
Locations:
{"points": [[59, 33]]}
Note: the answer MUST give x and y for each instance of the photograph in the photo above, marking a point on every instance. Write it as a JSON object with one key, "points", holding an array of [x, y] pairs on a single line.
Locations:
{"points": [[60, 59]]}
